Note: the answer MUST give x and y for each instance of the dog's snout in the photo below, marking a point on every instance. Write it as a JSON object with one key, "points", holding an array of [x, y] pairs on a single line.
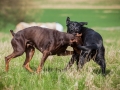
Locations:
{"points": [[76, 30]]}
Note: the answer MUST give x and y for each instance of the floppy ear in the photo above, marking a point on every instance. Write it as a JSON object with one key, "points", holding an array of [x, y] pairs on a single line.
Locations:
{"points": [[67, 20], [83, 23]]}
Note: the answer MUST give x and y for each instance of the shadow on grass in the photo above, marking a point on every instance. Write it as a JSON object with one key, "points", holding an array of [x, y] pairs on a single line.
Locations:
{"points": [[98, 71]]}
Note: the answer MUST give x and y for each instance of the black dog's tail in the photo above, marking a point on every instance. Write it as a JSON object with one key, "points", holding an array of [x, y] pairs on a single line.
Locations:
{"points": [[12, 33]]}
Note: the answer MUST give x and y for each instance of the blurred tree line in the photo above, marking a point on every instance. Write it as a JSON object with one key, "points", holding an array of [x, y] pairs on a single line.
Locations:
{"points": [[14, 11]]}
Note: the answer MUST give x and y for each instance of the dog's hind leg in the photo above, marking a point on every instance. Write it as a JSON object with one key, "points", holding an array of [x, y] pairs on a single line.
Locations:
{"points": [[100, 60], [18, 51], [44, 57], [9, 57], [29, 54]]}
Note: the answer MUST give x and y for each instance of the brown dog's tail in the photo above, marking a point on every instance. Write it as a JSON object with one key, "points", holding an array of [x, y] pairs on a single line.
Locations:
{"points": [[12, 33]]}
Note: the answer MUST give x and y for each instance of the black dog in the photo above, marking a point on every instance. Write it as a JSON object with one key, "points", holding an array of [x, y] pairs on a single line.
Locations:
{"points": [[92, 45]]}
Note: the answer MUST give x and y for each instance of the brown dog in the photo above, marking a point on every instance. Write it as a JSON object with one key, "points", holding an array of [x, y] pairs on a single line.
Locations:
{"points": [[47, 41]]}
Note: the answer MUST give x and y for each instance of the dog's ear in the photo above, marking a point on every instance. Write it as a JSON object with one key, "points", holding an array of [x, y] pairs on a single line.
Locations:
{"points": [[67, 20], [83, 23]]}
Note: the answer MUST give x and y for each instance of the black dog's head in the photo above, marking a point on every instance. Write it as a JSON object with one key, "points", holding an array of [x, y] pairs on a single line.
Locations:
{"points": [[74, 27]]}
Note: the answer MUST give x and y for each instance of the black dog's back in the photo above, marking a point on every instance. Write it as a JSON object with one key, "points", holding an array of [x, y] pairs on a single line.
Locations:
{"points": [[90, 37]]}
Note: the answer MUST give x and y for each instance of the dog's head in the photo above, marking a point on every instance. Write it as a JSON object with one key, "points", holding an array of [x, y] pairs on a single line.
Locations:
{"points": [[74, 27]]}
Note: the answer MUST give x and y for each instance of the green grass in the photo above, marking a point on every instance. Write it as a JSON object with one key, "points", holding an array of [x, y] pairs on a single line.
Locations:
{"points": [[51, 78], [94, 17]]}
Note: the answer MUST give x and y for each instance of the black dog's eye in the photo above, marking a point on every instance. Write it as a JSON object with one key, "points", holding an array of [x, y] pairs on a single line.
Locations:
{"points": [[71, 26]]}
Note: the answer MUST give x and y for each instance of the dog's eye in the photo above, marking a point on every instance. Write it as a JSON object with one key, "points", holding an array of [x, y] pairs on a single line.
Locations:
{"points": [[72, 26]]}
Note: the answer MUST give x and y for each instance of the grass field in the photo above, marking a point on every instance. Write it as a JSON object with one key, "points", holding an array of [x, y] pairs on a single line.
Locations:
{"points": [[104, 21]]}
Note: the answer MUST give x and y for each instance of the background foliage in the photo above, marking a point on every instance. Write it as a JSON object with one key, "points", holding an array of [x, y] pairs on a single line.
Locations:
{"points": [[13, 12]]}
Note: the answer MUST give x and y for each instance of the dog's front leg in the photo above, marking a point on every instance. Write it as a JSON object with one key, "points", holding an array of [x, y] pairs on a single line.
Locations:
{"points": [[44, 57], [71, 62]]}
